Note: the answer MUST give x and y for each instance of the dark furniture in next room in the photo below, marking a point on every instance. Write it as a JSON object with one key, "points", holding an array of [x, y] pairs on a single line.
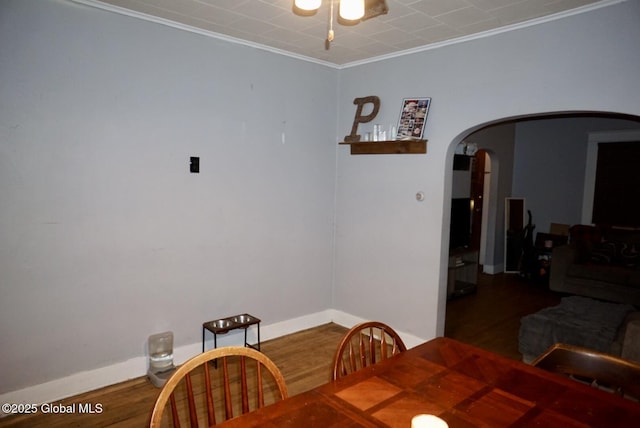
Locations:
{"points": [[600, 262]]}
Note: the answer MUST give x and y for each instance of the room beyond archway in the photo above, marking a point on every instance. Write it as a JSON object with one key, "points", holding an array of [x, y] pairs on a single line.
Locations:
{"points": [[542, 159]]}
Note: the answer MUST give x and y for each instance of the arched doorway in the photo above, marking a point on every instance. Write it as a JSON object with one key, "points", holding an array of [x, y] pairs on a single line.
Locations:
{"points": [[543, 159]]}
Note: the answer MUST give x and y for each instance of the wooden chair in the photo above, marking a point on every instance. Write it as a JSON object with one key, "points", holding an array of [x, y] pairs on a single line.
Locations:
{"points": [[364, 345], [237, 384], [599, 370]]}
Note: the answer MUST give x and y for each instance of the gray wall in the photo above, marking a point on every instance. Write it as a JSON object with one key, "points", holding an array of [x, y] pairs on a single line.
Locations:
{"points": [[105, 236], [549, 166], [391, 250]]}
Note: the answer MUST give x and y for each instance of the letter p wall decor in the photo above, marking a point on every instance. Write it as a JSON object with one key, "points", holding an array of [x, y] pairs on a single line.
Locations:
{"points": [[360, 118]]}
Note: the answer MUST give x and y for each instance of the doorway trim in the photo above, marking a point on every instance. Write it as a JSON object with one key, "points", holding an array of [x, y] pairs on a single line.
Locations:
{"points": [[590, 166]]}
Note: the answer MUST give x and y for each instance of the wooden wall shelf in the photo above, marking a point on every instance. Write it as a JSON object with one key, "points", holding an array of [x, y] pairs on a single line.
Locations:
{"points": [[388, 147]]}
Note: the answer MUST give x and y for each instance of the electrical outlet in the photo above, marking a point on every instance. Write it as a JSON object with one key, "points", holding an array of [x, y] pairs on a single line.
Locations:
{"points": [[194, 167]]}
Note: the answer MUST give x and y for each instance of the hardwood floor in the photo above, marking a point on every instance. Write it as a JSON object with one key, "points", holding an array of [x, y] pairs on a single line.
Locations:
{"points": [[489, 319], [304, 358]]}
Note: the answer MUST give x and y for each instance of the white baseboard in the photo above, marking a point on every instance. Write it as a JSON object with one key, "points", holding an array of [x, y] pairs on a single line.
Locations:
{"points": [[89, 380], [77, 383], [347, 320], [493, 269]]}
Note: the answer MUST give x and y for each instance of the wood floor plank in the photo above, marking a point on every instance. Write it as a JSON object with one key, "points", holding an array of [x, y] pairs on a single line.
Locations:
{"points": [[490, 319], [304, 358]]}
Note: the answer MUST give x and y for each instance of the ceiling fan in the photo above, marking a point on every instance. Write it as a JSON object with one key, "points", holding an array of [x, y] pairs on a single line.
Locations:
{"points": [[350, 12]]}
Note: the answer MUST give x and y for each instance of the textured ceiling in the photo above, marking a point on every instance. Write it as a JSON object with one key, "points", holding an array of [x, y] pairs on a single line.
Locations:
{"points": [[409, 25]]}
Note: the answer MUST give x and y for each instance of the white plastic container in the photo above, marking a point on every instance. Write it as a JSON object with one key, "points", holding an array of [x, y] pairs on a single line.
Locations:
{"points": [[160, 358]]}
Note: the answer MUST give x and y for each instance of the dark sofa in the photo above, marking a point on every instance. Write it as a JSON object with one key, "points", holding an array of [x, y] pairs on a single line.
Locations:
{"points": [[599, 262]]}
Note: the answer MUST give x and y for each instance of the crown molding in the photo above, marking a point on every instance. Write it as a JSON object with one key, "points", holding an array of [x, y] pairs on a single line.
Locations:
{"points": [[488, 33], [155, 19], [549, 18]]}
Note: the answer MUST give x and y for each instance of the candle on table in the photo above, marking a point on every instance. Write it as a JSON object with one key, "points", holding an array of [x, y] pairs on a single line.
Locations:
{"points": [[428, 421]]}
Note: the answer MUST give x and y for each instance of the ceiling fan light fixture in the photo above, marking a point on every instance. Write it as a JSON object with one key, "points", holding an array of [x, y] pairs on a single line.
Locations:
{"points": [[351, 9], [307, 4]]}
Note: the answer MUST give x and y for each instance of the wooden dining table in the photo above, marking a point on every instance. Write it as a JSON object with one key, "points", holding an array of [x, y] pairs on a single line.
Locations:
{"points": [[463, 385]]}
